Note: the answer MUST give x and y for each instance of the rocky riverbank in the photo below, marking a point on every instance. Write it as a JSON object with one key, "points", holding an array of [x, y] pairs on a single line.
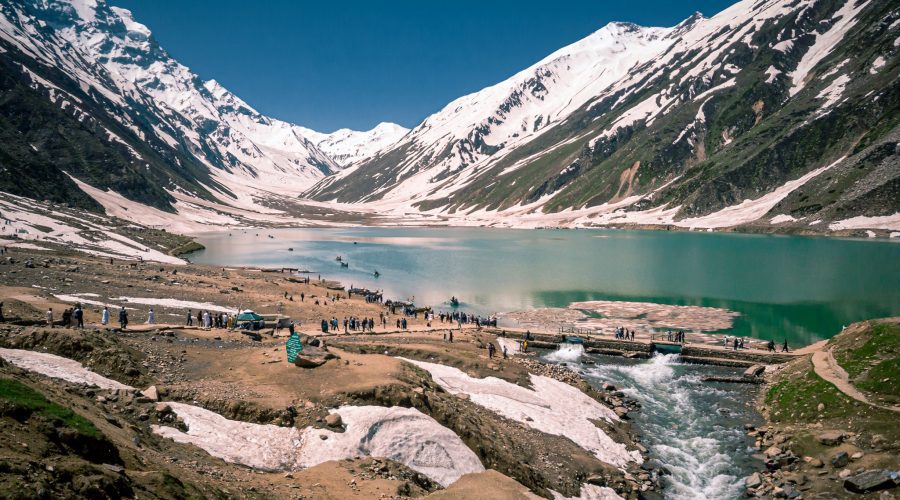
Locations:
{"points": [[821, 443]]}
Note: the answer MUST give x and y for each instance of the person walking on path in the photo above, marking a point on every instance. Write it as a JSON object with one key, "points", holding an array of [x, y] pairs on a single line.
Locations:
{"points": [[104, 318], [50, 317], [491, 350], [1, 311], [123, 318], [151, 317], [784, 347], [190, 318]]}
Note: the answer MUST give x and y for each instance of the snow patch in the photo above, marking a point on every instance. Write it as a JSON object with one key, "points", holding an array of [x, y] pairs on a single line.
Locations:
{"points": [[552, 407], [751, 210], [826, 42], [405, 435], [175, 303], [780, 218], [54, 366], [889, 222]]}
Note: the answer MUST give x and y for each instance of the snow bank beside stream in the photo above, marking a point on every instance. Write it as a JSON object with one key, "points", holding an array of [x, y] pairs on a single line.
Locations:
{"points": [[552, 406]]}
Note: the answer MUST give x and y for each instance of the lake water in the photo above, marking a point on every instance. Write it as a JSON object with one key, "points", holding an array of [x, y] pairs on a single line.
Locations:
{"points": [[802, 289]]}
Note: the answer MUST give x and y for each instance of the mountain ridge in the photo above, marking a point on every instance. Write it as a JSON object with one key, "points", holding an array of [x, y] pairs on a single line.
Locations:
{"points": [[773, 72], [773, 112]]}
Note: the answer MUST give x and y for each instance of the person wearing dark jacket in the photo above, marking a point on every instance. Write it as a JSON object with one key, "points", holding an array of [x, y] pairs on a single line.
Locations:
{"points": [[123, 318]]}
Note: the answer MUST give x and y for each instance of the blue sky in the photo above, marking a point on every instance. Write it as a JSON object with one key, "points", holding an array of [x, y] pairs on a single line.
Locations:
{"points": [[327, 65]]}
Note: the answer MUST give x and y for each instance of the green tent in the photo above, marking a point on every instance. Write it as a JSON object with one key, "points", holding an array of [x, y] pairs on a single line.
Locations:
{"points": [[294, 347], [249, 315]]}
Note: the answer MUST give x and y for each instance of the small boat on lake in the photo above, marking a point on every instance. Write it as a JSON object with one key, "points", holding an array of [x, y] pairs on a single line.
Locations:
{"points": [[376, 273], [345, 264], [454, 301]]}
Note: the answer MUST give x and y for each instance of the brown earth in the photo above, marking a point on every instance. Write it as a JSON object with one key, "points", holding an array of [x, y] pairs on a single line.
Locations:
{"points": [[250, 380]]}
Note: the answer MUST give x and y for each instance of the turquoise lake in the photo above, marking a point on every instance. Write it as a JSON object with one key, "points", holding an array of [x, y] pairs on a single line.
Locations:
{"points": [[800, 288]]}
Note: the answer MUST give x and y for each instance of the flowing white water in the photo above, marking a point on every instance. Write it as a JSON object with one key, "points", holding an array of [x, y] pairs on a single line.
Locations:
{"points": [[566, 353], [692, 428]]}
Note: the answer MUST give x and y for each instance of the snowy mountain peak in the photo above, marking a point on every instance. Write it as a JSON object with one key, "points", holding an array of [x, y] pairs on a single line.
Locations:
{"points": [[347, 146], [114, 57]]}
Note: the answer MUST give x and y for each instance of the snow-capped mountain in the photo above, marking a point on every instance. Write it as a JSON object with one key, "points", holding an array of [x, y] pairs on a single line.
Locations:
{"points": [[95, 63], [666, 125], [347, 146]]}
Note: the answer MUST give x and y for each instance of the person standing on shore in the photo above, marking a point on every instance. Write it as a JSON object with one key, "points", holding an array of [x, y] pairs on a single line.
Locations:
{"points": [[104, 318], [79, 316], [735, 343], [784, 347], [151, 317], [50, 317], [190, 318], [491, 350], [123, 318]]}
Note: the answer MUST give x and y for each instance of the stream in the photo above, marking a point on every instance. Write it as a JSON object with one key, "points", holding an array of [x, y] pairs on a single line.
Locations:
{"points": [[693, 429]]}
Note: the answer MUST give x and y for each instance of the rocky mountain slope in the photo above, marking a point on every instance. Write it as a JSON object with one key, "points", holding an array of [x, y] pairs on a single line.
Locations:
{"points": [[87, 92], [772, 112]]}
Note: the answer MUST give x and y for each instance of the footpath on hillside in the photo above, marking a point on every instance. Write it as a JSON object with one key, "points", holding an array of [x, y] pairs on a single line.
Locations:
{"points": [[828, 368]]}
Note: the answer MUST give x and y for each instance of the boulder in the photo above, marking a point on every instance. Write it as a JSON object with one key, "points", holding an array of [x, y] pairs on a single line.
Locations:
{"points": [[772, 451], [333, 420], [151, 393], [309, 361], [869, 481], [621, 411], [754, 371], [830, 438], [754, 480], [840, 459], [162, 408]]}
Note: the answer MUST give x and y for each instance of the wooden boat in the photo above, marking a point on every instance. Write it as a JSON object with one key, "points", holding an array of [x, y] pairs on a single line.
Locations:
{"points": [[454, 302], [376, 274], [345, 264]]}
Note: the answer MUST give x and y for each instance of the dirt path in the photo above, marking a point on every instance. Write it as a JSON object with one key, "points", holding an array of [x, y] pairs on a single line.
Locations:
{"points": [[828, 368]]}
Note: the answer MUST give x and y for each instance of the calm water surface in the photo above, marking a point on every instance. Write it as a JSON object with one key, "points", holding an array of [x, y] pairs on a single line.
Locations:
{"points": [[800, 288]]}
